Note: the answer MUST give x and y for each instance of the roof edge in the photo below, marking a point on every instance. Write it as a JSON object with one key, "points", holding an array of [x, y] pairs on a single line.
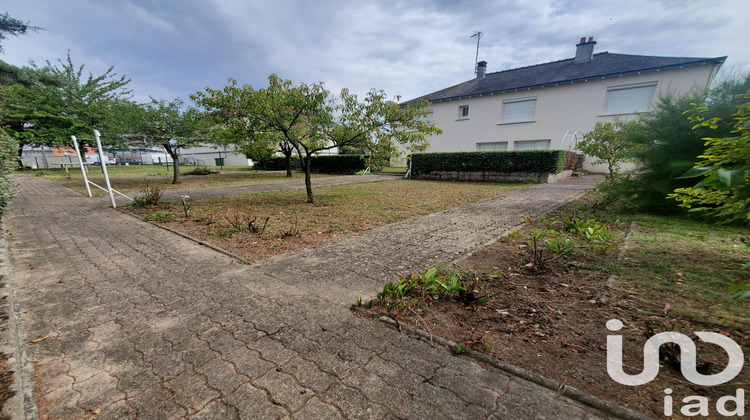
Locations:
{"points": [[699, 61]]}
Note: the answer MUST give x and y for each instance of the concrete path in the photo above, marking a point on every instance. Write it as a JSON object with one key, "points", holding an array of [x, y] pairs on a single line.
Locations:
{"points": [[142, 323]]}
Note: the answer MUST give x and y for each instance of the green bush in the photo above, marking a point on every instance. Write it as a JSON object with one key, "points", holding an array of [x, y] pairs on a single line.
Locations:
{"points": [[332, 164], [668, 145], [521, 161], [277, 163], [8, 156]]}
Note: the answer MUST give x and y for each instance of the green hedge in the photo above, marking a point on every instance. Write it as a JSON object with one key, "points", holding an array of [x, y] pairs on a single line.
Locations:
{"points": [[8, 156], [277, 163], [330, 164], [522, 161]]}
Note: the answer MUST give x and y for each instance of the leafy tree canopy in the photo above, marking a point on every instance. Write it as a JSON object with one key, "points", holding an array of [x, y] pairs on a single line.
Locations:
{"points": [[10, 26], [75, 104], [609, 142], [310, 119], [724, 191]]}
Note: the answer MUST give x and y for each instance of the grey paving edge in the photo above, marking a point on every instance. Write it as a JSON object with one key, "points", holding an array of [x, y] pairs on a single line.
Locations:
{"points": [[21, 405], [565, 390], [191, 238]]}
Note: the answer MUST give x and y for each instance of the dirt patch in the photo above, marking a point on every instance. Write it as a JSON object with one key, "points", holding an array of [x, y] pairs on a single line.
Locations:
{"points": [[261, 225], [551, 321], [6, 381]]}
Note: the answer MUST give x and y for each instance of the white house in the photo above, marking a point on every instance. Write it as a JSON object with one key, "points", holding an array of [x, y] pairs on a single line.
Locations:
{"points": [[550, 106]]}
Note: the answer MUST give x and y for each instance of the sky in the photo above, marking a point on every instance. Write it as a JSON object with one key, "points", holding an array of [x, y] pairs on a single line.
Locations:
{"points": [[174, 48]]}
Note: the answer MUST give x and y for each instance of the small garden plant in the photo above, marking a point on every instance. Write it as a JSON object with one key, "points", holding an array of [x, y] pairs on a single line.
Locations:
{"points": [[560, 238], [446, 282]]}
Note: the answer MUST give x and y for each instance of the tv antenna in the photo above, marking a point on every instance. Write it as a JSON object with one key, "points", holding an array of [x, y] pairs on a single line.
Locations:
{"points": [[478, 35]]}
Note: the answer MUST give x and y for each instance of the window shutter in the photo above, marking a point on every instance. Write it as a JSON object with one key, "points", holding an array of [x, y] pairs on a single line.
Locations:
{"points": [[629, 99], [531, 145], [519, 110], [492, 147]]}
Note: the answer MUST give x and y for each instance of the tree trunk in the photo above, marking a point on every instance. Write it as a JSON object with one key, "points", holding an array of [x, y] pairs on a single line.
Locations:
{"points": [[176, 170], [288, 155], [308, 178], [175, 163]]}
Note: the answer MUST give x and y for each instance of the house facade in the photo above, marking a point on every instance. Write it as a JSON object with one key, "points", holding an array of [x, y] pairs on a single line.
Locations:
{"points": [[551, 105]]}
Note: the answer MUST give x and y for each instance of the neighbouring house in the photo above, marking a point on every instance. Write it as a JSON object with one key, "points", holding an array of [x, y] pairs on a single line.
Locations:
{"points": [[207, 155], [551, 105]]}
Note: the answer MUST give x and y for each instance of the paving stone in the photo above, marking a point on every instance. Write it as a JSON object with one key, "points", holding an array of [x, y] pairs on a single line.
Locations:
{"points": [[316, 409], [116, 411], [52, 375], [308, 374], [60, 404], [180, 330], [191, 391], [217, 410], [222, 376], [273, 351], [284, 390], [353, 403], [156, 403], [463, 387], [133, 377], [253, 403], [248, 362], [97, 391]]}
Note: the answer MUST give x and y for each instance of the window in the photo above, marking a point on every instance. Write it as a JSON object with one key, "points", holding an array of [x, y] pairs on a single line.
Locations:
{"points": [[499, 146], [629, 99], [463, 112], [519, 110], [427, 117], [531, 145]]}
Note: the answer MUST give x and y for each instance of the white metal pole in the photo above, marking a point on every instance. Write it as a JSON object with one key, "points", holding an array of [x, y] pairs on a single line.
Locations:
{"points": [[104, 167], [80, 162]]}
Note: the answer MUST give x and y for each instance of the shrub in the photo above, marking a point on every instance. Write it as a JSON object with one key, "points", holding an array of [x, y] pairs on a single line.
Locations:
{"points": [[669, 145], [8, 156], [332, 164], [150, 196], [202, 171], [519, 161], [277, 163], [609, 143]]}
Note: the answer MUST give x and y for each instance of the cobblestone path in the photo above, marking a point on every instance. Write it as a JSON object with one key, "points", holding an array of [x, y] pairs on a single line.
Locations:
{"points": [[142, 323]]}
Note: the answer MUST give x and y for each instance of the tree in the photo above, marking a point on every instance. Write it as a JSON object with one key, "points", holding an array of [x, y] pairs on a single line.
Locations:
{"points": [[165, 123], [74, 105], [13, 27], [668, 145], [609, 143], [226, 112], [724, 191], [310, 120]]}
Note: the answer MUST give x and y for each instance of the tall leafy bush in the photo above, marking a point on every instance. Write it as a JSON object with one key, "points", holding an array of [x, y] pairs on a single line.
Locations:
{"points": [[8, 154]]}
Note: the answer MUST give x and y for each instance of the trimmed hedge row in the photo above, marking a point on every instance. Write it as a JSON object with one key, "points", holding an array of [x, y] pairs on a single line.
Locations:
{"points": [[8, 156], [330, 164], [551, 161], [277, 163]]}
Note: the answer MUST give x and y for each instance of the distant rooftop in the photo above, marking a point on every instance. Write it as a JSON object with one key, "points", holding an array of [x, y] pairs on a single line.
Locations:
{"points": [[583, 67]]}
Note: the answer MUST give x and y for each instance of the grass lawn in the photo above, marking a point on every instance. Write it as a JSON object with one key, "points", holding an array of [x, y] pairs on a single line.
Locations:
{"points": [[132, 179], [292, 223], [689, 266], [131, 171]]}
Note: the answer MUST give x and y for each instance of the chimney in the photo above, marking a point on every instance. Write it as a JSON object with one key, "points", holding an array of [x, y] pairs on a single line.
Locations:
{"points": [[584, 50], [481, 69]]}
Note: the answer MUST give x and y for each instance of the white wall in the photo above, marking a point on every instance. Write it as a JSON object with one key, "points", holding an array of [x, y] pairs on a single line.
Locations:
{"points": [[206, 155], [559, 109]]}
